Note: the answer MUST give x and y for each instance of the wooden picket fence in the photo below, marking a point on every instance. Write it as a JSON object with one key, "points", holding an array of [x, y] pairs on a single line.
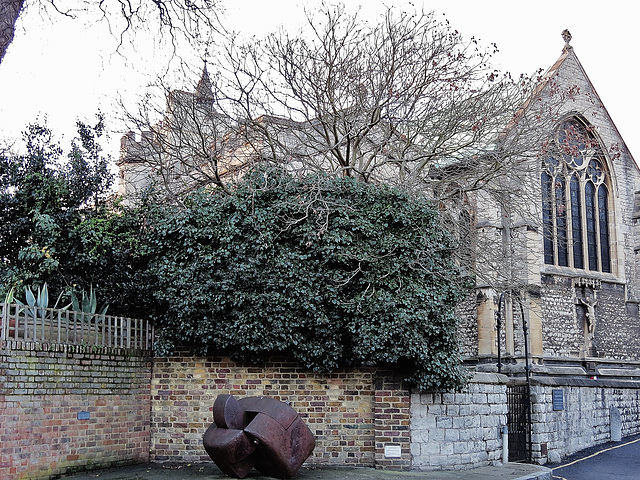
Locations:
{"points": [[49, 325]]}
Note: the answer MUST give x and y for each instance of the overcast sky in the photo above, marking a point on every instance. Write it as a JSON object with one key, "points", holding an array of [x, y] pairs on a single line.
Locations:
{"points": [[64, 69]]}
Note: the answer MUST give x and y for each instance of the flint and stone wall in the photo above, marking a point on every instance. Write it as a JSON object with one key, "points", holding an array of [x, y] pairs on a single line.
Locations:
{"points": [[585, 419], [617, 330], [66, 408]]}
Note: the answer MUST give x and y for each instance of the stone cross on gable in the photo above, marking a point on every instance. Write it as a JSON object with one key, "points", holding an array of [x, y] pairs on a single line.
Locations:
{"points": [[566, 36]]}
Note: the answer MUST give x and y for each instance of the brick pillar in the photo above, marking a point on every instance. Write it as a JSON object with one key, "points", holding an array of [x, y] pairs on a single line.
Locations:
{"points": [[392, 414]]}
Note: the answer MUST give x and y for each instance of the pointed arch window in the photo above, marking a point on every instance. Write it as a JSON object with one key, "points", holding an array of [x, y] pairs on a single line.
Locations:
{"points": [[575, 196]]}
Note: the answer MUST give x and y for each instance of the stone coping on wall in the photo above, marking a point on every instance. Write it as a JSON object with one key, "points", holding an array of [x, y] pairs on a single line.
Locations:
{"points": [[599, 360], [619, 372], [72, 349], [489, 378], [567, 381], [570, 367], [573, 273], [584, 382]]}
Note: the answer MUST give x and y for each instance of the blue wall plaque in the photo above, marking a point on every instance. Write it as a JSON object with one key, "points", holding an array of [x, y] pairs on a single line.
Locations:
{"points": [[557, 398]]}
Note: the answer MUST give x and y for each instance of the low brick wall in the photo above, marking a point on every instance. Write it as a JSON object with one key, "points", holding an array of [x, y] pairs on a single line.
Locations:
{"points": [[66, 408], [584, 419], [354, 414], [459, 430]]}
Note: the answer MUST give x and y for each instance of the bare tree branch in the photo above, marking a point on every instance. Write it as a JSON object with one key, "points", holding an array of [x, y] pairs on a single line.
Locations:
{"points": [[173, 21]]}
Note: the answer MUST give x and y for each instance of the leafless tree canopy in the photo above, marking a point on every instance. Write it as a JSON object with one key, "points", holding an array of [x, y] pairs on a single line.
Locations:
{"points": [[405, 100], [171, 20], [388, 101], [184, 144]]}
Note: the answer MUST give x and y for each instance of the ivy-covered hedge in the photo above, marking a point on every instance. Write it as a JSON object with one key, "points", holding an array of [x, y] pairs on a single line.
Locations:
{"points": [[331, 271]]}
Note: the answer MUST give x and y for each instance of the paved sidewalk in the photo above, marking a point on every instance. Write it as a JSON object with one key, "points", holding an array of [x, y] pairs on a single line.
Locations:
{"points": [[511, 471]]}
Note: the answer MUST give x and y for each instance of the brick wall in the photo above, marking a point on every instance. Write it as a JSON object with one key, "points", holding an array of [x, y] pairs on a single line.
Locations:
{"points": [[392, 415], [66, 408], [354, 414], [584, 420], [459, 430]]}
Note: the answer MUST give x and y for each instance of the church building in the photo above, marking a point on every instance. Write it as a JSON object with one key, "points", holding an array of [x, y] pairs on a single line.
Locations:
{"points": [[577, 278], [554, 318]]}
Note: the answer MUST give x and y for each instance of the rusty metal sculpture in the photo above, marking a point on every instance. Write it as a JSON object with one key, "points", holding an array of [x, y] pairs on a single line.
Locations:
{"points": [[258, 432]]}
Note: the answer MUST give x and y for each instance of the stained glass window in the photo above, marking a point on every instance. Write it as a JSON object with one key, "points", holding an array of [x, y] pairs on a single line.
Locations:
{"points": [[576, 223], [561, 222], [603, 211], [575, 201], [590, 204], [547, 218]]}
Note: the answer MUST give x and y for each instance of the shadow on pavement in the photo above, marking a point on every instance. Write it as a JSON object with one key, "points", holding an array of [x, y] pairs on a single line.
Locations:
{"points": [[208, 471]]}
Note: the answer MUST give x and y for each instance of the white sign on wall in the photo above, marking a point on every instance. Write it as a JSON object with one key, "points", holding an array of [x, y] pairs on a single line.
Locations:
{"points": [[392, 451]]}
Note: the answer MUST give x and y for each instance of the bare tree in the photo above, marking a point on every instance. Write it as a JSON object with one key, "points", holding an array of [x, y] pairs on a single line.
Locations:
{"points": [[172, 20], [405, 101], [389, 101]]}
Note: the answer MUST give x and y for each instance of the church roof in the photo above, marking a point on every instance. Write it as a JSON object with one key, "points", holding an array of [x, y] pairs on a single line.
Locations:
{"points": [[553, 71]]}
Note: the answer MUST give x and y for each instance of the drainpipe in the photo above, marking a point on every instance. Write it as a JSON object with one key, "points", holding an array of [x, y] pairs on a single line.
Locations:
{"points": [[505, 444]]}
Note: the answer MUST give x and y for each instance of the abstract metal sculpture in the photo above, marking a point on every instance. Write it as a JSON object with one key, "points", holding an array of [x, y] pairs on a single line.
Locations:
{"points": [[258, 432]]}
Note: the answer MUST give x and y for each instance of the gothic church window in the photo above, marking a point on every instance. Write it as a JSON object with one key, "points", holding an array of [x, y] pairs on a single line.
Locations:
{"points": [[575, 201]]}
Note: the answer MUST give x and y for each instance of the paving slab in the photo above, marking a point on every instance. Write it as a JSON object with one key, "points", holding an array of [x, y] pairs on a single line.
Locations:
{"points": [[208, 471]]}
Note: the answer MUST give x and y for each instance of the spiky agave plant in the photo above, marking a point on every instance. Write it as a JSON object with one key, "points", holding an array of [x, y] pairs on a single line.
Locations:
{"points": [[35, 304], [87, 304]]}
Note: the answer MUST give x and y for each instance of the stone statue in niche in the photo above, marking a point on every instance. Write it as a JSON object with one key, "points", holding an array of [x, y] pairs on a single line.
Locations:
{"points": [[590, 316], [588, 303], [258, 432]]}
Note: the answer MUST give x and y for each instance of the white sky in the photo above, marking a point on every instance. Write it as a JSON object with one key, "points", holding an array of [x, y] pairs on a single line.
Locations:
{"points": [[63, 69]]}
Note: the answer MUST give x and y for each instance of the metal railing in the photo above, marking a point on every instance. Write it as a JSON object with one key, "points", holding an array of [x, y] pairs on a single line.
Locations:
{"points": [[50, 325]]}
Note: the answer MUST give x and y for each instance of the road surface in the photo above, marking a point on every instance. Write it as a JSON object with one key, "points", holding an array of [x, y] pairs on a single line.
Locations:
{"points": [[611, 461]]}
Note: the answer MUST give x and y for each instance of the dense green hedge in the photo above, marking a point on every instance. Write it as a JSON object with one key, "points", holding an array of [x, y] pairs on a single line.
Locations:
{"points": [[331, 271]]}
